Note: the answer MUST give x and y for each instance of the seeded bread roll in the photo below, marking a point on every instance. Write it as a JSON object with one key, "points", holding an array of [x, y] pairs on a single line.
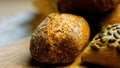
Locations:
{"points": [[92, 6], [104, 49], [59, 38], [112, 18]]}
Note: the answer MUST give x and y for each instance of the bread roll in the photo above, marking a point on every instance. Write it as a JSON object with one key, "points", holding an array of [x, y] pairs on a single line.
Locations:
{"points": [[112, 18], [104, 49], [91, 6], [59, 38]]}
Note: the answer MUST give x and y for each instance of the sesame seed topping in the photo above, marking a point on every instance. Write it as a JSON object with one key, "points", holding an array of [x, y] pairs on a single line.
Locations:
{"points": [[118, 48], [116, 35], [114, 25], [109, 27], [101, 35], [95, 47], [110, 45], [103, 40], [111, 40], [118, 31], [110, 32], [118, 27]]}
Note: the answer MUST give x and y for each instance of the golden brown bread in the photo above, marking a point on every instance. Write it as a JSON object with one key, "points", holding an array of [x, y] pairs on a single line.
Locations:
{"points": [[89, 6], [104, 49], [112, 18], [59, 38]]}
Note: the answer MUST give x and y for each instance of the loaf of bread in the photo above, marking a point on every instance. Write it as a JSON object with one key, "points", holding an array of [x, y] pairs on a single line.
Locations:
{"points": [[89, 6], [104, 49], [59, 38], [112, 18]]}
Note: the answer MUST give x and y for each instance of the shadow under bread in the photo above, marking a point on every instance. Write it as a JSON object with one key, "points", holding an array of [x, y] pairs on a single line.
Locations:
{"points": [[36, 64], [90, 65]]}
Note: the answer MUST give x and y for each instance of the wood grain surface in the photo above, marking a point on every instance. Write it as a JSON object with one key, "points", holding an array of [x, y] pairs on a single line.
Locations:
{"points": [[17, 55]]}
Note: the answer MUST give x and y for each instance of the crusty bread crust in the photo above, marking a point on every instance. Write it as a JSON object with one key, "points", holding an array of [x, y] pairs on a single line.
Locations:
{"points": [[104, 49], [89, 6], [59, 38]]}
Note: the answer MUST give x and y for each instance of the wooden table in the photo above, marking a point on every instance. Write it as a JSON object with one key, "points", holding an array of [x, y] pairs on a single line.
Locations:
{"points": [[17, 55]]}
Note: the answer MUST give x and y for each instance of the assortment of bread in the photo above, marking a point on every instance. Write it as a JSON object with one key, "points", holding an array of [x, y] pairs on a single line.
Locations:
{"points": [[63, 37]]}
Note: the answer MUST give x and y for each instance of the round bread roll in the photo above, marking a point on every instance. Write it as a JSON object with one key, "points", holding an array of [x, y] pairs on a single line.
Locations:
{"points": [[59, 38], [112, 18], [92, 6], [104, 49]]}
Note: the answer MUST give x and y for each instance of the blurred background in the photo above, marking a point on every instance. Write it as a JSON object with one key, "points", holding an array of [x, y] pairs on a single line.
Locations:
{"points": [[16, 20]]}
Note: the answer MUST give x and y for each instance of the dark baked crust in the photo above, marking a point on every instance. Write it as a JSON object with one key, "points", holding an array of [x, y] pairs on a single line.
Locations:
{"points": [[91, 6], [112, 18], [59, 38]]}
